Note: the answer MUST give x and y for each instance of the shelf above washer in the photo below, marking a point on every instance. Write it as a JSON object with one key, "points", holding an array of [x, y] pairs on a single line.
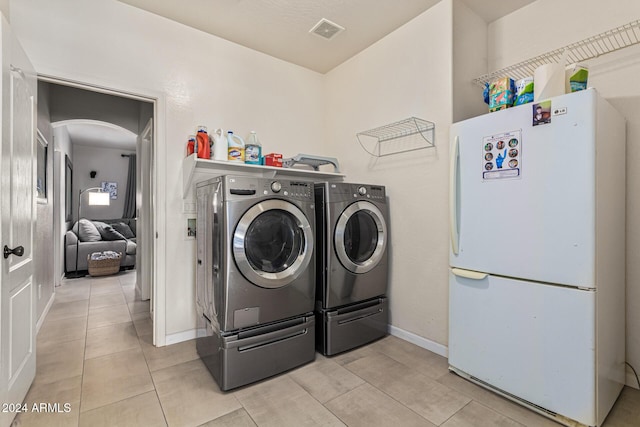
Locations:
{"points": [[195, 170]]}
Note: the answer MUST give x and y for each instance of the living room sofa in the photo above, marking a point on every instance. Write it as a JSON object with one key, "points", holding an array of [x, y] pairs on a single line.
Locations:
{"points": [[118, 235]]}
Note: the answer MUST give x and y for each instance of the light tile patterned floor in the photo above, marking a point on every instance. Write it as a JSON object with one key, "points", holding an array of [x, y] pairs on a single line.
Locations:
{"points": [[94, 352]]}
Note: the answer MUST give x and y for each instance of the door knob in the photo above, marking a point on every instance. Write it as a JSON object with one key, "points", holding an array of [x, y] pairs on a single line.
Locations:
{"points": [[18, 251]]}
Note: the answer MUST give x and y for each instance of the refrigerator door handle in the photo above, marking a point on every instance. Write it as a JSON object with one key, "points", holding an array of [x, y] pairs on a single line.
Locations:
{"points": [[453, 196], [469, 274]]}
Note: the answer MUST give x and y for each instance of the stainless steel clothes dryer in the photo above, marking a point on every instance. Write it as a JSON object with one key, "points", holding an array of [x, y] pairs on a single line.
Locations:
{"points": [[352, 274], [255, 277]]}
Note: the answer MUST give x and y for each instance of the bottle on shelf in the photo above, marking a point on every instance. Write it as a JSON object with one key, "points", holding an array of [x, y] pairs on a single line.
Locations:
{"points": [[202, 138], [191, 145], [253, 150], [220, 145], [236, 147]]}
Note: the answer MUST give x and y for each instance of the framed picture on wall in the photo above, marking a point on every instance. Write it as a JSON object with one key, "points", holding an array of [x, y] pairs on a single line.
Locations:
{"points": [[41, 168], [68, 189], [111, 188]]}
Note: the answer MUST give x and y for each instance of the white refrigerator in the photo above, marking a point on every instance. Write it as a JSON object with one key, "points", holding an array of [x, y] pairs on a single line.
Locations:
{"points": [[537, 255]]}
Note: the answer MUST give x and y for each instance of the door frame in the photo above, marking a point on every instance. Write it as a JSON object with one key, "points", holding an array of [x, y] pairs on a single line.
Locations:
{"points": [[158, 185]]}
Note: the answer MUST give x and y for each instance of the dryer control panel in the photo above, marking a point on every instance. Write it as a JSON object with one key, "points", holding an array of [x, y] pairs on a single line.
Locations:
{"points": [[344, 192]]}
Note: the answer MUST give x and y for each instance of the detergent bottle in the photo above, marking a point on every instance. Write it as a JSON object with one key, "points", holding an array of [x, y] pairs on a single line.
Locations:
{"points": [[202, 138], [220, 145], [236, 147], [191, 145], [252, 150]]}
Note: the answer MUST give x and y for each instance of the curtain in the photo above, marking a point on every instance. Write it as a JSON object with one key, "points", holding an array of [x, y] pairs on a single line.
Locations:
{"points": [[130, 194]]}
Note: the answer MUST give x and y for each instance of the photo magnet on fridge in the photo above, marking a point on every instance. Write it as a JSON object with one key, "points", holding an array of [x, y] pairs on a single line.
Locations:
{"points": [[542, 113]]}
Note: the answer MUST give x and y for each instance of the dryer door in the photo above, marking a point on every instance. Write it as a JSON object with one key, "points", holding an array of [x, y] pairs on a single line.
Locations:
{"points": [[273, 243], [360, 237]]}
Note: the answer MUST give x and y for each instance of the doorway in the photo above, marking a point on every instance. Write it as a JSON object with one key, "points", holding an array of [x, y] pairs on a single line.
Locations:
{"points": [[116, 128]]}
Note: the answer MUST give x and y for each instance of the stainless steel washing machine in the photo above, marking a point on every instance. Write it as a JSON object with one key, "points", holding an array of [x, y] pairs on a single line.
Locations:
{"points": [[352, 222], [255, 277]]}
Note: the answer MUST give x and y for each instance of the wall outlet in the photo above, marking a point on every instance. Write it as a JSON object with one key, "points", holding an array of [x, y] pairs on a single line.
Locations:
{"points": [[39, 290]]}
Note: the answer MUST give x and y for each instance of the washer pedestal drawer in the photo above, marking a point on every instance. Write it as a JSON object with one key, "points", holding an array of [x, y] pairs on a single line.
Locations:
{"points": [[351, 326], [246, 356]]}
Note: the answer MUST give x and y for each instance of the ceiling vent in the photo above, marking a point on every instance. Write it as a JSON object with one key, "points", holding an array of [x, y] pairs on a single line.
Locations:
{"points": [[326, 29]]}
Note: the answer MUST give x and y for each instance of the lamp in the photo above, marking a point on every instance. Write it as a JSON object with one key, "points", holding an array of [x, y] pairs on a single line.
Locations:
{"points": [[96, 198]]}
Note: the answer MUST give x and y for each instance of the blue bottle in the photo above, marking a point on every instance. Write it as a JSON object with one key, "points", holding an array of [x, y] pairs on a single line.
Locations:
{"points": [[253, 150]]}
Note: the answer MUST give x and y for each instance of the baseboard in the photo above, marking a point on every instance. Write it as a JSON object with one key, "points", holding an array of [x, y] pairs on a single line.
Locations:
{"points": [[181, 336], [425, 343], [631, 379], [45, 312]]}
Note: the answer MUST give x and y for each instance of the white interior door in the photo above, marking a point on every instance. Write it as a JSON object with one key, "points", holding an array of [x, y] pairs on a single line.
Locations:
{"points": [[144, 251], [17, 308]]}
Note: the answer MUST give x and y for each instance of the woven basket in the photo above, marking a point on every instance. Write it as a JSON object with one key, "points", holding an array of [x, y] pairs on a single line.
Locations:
{"points": [[103, 267]]}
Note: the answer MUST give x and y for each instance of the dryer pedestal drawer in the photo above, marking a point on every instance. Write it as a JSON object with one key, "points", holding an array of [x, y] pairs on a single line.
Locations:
{"points": [[239, 359], [352, 326]]}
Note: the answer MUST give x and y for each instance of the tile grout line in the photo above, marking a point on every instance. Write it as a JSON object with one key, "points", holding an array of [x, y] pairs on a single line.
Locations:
{"points": [[392, 397], [146, 361]]}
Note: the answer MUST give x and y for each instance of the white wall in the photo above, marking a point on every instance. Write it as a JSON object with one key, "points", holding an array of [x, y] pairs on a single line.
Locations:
{"points": [[111, 167], [469, 61], [4, 8], [408, 73], [614, 76], [202, 79], [45, 270]]}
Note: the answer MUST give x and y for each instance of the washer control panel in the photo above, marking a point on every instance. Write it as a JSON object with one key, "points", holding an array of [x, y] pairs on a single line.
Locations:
{"points": [[298, 190], [276, 186], [241, 187]]}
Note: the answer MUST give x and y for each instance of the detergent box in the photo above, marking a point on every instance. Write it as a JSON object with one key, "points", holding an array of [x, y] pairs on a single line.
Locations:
{"points": [[501, 93]]}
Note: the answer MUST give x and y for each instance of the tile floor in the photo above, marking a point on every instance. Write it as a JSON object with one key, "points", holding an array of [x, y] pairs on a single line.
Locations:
{"points": [[94, 352]]}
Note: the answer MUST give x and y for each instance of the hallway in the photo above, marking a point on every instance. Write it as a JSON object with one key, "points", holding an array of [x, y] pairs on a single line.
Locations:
{"points": [[94, 353]]}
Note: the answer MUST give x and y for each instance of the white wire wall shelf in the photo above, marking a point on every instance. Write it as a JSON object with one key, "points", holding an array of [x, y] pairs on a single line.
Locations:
{"points": [[400, 137], [584, 50], [196, 170]]}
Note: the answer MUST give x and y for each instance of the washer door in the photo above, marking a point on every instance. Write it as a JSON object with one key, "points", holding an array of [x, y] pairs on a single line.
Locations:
{"points": [[360, 238], [273, 243]]}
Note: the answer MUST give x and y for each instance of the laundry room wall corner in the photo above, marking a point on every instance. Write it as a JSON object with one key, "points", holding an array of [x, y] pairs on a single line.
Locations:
{"points": [[408, 73]]}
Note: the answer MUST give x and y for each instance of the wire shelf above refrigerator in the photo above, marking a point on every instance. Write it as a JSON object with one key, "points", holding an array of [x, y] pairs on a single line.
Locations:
{"points": [[400, 137], [584, 50]]}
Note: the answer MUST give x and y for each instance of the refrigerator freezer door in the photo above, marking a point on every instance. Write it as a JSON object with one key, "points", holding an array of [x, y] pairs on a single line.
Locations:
{"points": [[531, 340], [523, 196]]}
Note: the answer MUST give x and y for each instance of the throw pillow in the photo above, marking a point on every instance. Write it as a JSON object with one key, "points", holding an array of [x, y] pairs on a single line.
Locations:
{"points": [[88, 232], [107, 232], [123, 229]]}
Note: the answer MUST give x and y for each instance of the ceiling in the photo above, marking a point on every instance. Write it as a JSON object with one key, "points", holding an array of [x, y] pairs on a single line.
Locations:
{"points": [[280, 28], [95, 133]]}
